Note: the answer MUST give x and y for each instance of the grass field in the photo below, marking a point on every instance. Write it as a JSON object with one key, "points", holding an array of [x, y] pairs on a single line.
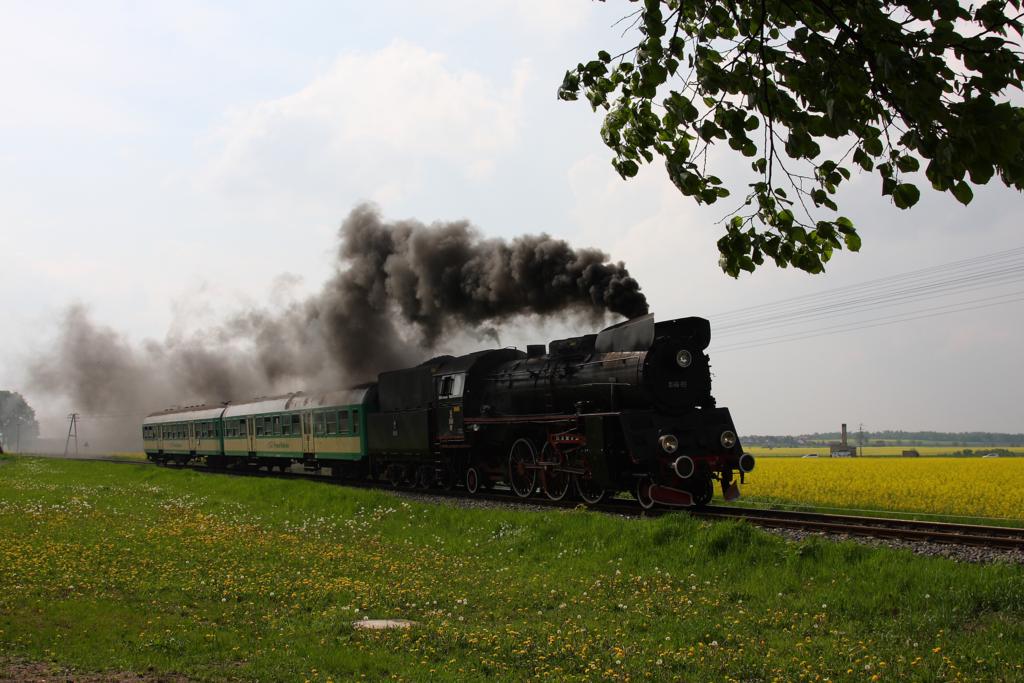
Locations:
{"points": [[115, 568], [966, 487], [878, 451]]}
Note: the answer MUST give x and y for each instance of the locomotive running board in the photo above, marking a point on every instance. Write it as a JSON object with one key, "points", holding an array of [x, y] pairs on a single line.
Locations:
{"points": [[667, 495]]}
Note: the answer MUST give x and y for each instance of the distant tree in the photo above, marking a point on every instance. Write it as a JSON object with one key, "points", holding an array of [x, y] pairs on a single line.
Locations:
{"points": [[17, 420], [809, 90]]}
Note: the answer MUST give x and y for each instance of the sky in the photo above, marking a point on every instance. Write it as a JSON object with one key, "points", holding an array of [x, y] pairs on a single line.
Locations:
{"points": [[168, 163]]}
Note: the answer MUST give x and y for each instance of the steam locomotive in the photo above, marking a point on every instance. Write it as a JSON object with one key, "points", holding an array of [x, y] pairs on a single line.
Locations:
{"points": [[626, 409]]}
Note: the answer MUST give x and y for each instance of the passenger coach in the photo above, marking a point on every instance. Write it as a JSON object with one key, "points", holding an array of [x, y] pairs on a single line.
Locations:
{"points": [[272, 432]]}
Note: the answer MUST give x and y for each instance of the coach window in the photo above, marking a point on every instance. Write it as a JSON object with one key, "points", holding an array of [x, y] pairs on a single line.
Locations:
{"points": [[286, 426], [355, 421], [343, 422], [296, 425], [320, 424], [332, 422], [243, 427], [277, 425], [259, 426]]}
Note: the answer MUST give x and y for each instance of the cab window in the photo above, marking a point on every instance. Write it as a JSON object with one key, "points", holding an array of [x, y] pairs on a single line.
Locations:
{"points": [[450, 386]]}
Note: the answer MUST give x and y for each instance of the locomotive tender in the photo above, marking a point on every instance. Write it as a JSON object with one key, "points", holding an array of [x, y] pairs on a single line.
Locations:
{"points": [[626, 409]]}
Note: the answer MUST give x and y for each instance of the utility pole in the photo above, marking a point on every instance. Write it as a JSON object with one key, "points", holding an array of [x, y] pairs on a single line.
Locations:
{"points": [[72, 427], [860, 437]]}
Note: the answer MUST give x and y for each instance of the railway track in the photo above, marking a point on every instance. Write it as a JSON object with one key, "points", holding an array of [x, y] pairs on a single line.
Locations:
{"points": [[992, 537]]}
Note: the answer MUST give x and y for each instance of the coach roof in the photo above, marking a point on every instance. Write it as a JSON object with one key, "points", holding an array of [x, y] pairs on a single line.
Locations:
{"points": [[185, 414]]}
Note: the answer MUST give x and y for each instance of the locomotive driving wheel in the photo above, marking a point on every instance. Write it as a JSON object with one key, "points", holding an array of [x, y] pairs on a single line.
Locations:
{"points": [[588, 490], [522, 468], [703, 491], [553, 479]]}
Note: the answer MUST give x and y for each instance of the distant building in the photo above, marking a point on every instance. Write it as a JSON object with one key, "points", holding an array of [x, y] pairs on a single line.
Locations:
{"points": [[842, 449], [912, 453]]}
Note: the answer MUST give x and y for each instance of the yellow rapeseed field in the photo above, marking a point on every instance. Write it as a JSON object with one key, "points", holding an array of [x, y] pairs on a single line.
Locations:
{"points": [[983, 487], [790, 451]]}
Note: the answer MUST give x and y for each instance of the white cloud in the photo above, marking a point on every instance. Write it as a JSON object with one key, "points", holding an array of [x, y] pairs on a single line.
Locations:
{"points": [[375, 125]]}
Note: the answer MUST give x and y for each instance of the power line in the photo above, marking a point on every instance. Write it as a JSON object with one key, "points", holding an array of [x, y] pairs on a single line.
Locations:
{"points": [[861, 325], [801, 313], [921, 273]]}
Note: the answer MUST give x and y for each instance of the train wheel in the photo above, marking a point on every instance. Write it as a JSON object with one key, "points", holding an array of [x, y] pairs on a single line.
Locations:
{"points": [[643, 493], [425, 477], [472, 480], [588, 491], [554, 482], [522, 472], [448, 478], [703, 492]]}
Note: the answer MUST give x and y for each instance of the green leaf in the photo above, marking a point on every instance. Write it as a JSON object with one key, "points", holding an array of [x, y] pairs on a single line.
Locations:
{"points": [[627, 168], [852, 240], [907, 164], [905, 195], [873, 146], [962, 191]]}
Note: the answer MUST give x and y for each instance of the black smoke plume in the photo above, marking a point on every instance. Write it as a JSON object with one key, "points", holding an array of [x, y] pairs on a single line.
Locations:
{"points": [[400, 289]]}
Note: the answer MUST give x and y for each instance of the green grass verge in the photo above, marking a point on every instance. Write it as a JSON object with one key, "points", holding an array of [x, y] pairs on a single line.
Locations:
{"points": [[107, 567]]}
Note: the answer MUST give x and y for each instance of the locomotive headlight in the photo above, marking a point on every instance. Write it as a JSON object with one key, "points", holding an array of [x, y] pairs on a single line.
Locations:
{"points": [[728, 439], [669, 443], [684, 358]]}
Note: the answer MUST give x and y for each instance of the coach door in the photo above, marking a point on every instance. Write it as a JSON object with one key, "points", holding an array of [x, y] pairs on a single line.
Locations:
{"points": [[250, 435], [307, 432]]}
